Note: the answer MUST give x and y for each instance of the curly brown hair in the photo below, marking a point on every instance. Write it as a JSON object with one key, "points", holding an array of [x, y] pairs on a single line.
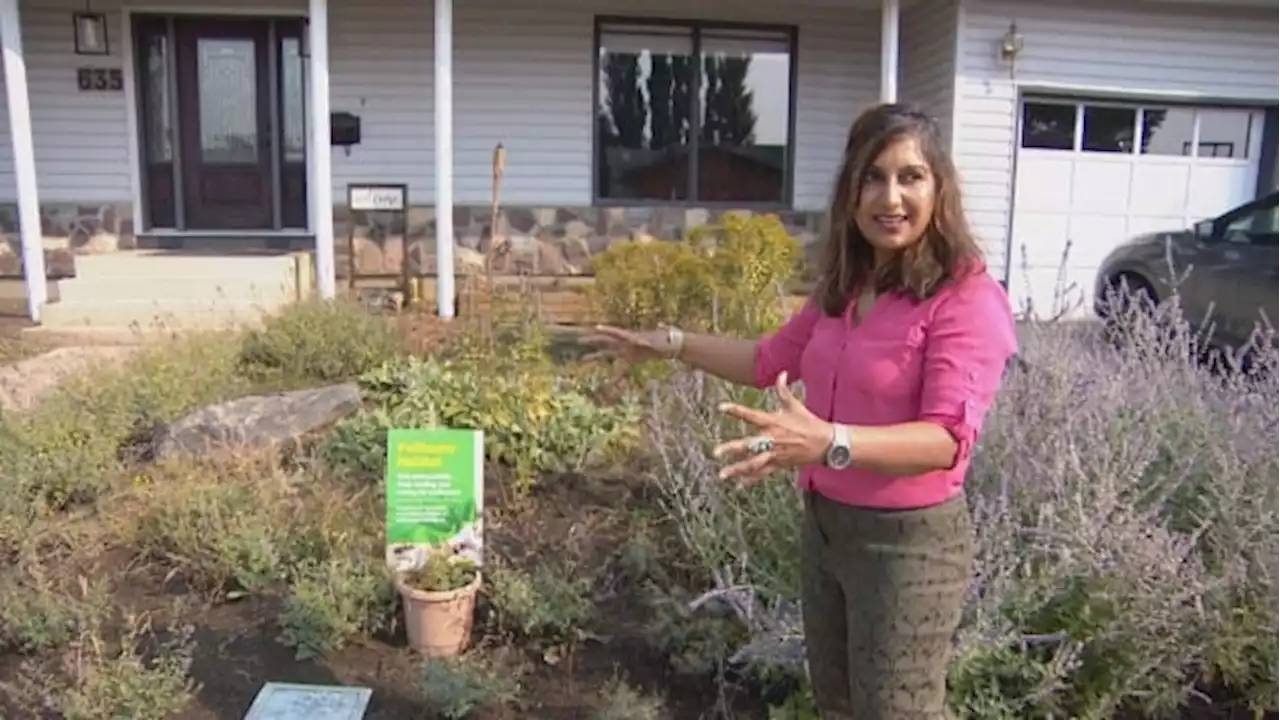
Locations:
{"points": [[948, 249]]}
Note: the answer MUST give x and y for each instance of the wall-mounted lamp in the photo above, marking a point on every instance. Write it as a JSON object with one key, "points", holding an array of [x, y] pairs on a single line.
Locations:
{"points": [[91, 33], [1011, 44]]}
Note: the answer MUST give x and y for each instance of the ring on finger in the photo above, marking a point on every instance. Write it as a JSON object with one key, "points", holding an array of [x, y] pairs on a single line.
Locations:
{"points": [[761, 444]]}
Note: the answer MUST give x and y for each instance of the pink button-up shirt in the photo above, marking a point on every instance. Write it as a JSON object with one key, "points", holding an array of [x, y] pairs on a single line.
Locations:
{"points": [[938, 361]]}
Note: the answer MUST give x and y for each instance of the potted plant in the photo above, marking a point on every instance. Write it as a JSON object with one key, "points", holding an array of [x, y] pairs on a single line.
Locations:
{"points": [[439, 600]]}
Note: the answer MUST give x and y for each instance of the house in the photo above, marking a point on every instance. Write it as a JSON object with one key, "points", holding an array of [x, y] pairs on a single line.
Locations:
{"points": [[177, 122]]}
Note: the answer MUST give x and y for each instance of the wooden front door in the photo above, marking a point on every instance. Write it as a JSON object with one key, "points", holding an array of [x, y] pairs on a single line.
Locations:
{"points": [[224, 123]]}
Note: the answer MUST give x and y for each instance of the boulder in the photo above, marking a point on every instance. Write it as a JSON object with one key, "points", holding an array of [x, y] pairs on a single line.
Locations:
{"points": [[257, 421]]}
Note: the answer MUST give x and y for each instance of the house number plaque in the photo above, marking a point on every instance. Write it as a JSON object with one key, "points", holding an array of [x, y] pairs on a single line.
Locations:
{"points": [[100, 79]]}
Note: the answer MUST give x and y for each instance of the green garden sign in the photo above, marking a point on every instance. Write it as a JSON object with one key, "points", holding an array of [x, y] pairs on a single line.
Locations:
{"points": [[435, 494]]}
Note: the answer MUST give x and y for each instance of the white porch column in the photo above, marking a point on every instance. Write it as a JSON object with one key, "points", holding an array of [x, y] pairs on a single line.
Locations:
{"points": [[890, 14], [24, 158], [321, 165], [444, 158]]}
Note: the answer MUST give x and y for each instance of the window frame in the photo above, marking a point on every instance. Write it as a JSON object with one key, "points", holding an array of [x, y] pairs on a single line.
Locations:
{"points": [[696, 28], [1140, 105]]}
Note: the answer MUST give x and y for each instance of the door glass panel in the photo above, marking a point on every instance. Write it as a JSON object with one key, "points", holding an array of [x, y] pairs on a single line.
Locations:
{"points": [[1224, 133], [293, 100], [227, 79], [158, 124]]}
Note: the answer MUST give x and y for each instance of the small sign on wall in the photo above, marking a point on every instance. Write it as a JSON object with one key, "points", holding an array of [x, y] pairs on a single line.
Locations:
{"points": [[100, 79], [377, 197]]}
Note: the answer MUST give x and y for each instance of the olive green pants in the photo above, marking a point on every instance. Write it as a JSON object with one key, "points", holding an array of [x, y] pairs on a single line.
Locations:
{"points": [[882, 595]]}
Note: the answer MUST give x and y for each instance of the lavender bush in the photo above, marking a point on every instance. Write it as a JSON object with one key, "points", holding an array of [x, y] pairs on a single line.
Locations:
{"points": [[1125, 500]]}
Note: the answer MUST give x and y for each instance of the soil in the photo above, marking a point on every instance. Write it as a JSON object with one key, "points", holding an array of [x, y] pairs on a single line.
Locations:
{"points": [[237, 650]]}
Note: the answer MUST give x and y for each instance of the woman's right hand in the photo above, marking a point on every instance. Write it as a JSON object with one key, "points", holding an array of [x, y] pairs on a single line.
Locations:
{"points": [[630, 346]]}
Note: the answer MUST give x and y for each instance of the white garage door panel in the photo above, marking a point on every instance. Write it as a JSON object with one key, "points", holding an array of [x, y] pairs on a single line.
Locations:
{"points": [[1083, 180]]}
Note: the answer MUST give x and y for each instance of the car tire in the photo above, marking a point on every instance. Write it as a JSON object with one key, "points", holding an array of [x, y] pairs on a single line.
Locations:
{"points": [[1125, 295]]}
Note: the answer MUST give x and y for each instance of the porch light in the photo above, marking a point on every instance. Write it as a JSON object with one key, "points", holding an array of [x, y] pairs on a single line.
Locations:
{"points": [[1011, 44], [91, 34]]}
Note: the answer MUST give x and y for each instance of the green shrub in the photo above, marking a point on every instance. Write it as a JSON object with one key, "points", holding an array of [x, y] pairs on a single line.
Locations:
{"points": [[532, 422], [333, 601], [318, 341], [547, 605], [457, 688], [728, 276]]}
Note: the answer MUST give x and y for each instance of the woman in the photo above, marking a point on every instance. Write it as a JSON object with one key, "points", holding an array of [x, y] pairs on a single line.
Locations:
{"points": [[901, 349]]}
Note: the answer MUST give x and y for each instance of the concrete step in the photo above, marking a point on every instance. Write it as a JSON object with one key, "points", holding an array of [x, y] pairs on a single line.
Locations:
{"points": [[148, 317], [175, 288]]}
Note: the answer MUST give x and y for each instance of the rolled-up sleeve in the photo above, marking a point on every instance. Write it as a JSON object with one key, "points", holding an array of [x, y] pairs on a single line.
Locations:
{"points": [[970, 339], [782, 350]]}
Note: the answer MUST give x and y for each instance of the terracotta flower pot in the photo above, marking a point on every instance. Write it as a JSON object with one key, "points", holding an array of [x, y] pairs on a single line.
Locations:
{"points": [[439, 623]]}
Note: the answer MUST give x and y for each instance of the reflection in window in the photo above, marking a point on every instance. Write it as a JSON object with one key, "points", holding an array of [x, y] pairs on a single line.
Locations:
{"points": [[1048, 126], [743, 152], [227, 81], [1167, 131], [1108, 129], [1224, 133], [155, 93], [655, 142], [294, 100]]}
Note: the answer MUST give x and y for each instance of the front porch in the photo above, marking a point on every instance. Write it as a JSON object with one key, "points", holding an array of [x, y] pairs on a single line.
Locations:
{"points": [[435, 92]]}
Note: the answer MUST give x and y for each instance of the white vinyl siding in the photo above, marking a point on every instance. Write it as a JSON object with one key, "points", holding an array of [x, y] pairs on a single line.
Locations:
{"points": [[928, 59], [523, 76], [1145, 52]]}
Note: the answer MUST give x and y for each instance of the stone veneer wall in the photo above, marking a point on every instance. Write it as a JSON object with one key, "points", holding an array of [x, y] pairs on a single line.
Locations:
{"points": [[68, 229], [545, 241]]}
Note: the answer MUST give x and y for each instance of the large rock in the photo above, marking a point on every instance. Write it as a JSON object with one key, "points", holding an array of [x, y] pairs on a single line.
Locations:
{"points": [[256, 421]]}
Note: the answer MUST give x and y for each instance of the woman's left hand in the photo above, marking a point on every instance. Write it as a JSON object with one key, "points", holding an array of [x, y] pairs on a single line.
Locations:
{"points": [[789, 438]]}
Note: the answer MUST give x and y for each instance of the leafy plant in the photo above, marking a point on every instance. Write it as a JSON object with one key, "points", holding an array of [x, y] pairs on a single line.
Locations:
{"points": [[442, 572], [533, 423], [456, 688], [317, 341], [728, 276], [548, 605], [333, 601]]}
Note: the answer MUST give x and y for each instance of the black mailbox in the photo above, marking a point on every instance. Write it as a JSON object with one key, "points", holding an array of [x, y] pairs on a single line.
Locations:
{"points": [[344, 129]]}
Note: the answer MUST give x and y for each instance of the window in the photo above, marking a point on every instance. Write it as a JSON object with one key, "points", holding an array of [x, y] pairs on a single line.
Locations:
{"points": [[1255, 224], [1224, 133], [693, 112], [1048, 126], [1108, 129], [1168, 131]]}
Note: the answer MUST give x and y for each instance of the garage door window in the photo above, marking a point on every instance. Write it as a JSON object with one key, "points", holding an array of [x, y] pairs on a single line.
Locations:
{"points": [[1048, 126], [1108, 129], [1222, 133]]}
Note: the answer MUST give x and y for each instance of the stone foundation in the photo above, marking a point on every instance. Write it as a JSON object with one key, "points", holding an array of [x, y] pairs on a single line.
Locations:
{"points": [[545, 241], [542, 240]]}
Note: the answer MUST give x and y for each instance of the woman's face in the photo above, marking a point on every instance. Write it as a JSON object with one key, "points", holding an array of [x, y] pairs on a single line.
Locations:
{"points": [[896, 201]]}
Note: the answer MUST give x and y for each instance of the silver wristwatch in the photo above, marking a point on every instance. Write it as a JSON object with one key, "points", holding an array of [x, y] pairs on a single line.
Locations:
{"points": [[839, 452]]}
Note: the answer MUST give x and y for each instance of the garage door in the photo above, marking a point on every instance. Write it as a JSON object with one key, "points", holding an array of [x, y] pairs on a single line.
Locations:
{"points": [[1092, 174]]}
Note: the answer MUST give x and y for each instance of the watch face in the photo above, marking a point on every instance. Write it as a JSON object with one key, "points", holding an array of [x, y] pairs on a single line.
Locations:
{"points": [[838, 457]]}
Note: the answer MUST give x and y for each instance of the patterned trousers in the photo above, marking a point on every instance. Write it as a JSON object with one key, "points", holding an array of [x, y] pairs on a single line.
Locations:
{"points": [[882, 595]]}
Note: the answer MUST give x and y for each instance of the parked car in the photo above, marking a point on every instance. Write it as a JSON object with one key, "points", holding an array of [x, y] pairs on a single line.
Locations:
{"points": [[1224, 270]]}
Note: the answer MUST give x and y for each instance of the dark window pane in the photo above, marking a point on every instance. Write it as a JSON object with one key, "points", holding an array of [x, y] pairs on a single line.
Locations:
{"points": [[1167, 131], [1224, 133], [745, 96], [1108, 129], [1048, 126], [643, 115]]}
